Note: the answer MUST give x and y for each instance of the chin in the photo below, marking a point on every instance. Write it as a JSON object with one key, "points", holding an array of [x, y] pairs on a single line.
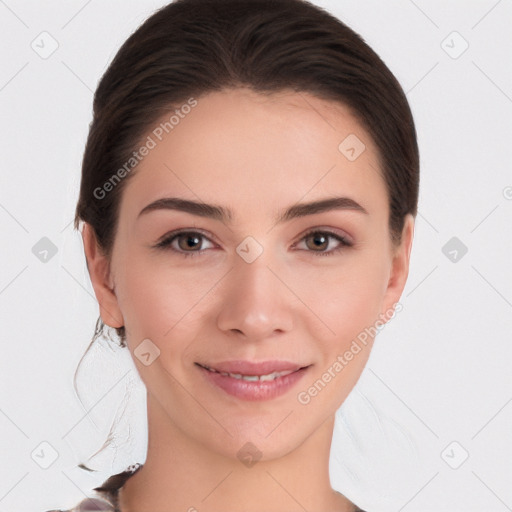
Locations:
{"points": [[263, 439]]}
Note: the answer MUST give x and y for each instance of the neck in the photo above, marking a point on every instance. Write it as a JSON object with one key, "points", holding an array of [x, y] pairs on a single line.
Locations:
{"points": [[180, 474]]}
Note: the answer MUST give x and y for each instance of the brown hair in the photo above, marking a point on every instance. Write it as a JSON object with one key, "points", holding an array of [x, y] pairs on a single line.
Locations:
{"points": [[193, 47]]}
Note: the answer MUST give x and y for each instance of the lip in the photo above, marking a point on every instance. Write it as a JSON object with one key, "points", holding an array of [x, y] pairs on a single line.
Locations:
{"points": [[215, 373]]}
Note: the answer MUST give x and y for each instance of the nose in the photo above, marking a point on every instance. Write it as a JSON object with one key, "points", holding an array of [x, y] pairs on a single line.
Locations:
{"points": [[256, 303]]}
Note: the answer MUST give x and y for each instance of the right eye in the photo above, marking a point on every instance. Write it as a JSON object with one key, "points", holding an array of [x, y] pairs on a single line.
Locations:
{"points": [[181, 241]]}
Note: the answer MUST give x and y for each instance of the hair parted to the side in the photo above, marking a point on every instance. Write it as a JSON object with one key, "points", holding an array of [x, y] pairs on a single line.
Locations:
{"points": [[189, 48]]}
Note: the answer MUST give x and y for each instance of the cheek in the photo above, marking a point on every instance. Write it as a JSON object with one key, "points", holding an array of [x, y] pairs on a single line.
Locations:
{"points": [[160, 302], [348, 303], [346, 297]]}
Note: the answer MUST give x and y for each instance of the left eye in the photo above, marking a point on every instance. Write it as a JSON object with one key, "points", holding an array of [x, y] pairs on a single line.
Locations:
{"points": [[321, 240], [316, 241]]}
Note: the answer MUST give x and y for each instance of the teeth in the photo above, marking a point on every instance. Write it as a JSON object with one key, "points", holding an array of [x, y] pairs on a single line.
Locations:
{"points": [[270, 376], [252, 378], [275, 375]]}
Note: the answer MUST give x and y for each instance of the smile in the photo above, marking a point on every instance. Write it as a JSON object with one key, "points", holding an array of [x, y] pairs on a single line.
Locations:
{"points": [[253, 381], [251, 378]]}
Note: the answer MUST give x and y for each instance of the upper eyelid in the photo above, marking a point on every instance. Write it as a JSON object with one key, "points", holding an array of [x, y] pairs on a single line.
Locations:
{"points": [[330, 231], [167, 238]]}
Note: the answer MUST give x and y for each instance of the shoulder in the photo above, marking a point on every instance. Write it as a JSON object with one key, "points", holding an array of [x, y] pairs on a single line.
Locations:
{"points": [[105, 497], [87, 504]]}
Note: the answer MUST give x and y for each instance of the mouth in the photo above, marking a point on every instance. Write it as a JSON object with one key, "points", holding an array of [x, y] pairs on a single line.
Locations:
{"points": [[253, 381], [251, 378]]}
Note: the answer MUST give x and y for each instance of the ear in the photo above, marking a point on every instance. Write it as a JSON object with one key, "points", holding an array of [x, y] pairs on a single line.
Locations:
{"points": [[98, 266], [399, 268]]}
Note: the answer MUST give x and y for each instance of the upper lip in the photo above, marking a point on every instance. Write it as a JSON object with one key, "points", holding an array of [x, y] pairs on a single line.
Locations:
{"points": [[253, 368]]}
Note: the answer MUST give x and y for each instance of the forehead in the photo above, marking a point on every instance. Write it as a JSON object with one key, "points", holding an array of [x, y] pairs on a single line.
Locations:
{"points": [[250, 150]]}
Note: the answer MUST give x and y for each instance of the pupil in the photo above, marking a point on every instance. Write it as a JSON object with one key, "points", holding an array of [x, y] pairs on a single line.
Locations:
{"points": [[319, 240], [192, 241]]}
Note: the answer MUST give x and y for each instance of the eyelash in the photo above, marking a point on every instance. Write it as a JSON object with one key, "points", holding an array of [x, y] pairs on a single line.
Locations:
{"points": [[166, 242]]}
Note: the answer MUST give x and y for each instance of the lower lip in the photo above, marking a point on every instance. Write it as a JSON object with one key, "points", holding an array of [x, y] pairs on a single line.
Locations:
{"points": [[254, 390]]}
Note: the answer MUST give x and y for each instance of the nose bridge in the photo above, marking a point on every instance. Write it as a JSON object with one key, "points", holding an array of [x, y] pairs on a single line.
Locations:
{"points": [[255, 301]]}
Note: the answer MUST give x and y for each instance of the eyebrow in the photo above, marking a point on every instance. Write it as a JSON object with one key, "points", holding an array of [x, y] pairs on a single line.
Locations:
{"points": [[226, 215]]}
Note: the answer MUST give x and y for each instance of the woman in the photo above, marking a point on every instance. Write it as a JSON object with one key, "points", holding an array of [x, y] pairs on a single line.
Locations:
{"points": [[248, 196]]}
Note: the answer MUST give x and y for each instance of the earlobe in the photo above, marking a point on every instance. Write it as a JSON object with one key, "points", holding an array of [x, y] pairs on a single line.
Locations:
{"points": [[98, 265]]}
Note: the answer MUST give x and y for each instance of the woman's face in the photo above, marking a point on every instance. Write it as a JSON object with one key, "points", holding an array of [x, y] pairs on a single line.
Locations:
{"points": [[270, 286]]}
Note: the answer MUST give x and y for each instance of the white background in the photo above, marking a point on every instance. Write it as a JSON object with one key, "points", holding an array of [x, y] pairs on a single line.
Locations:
{"points": [[440, 370]]}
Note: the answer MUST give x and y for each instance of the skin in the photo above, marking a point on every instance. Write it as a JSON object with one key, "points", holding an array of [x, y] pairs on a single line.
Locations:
{"points": [[257, 155]]}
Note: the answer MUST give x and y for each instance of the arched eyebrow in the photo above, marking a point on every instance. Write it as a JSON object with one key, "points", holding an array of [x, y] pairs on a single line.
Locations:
{"points": [[225, 215]]}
